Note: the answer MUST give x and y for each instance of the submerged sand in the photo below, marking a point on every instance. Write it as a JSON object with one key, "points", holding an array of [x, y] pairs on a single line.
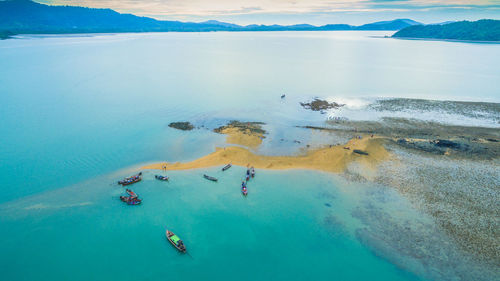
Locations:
{"points": [[330, 159]]}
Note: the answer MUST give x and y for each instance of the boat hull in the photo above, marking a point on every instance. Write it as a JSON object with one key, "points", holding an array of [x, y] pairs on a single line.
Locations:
{"points": [[130, 182], [169, 234], [161, 178], [210, 178]]}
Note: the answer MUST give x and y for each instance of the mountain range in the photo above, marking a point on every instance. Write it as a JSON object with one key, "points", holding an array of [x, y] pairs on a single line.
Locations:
{"points": [[25, 16]]}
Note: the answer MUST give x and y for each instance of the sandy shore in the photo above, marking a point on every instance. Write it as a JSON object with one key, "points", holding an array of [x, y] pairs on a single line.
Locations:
{"points": [[330, 159]]}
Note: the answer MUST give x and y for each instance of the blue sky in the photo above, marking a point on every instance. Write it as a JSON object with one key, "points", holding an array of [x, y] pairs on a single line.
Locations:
{"points": [[299, 11]]}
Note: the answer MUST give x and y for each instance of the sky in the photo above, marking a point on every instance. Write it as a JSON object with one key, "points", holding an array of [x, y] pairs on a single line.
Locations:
{"points": [[315, 12]]}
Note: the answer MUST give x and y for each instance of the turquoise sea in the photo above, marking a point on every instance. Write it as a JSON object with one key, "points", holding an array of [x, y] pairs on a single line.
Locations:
{"points": [[79, 113]]}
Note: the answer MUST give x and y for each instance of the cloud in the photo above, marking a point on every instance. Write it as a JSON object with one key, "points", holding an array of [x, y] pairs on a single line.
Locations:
{"points": [[190, 9]]}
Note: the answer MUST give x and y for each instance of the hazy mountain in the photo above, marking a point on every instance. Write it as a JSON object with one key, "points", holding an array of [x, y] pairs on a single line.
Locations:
{"points": [[482, 30], [220, 23], [388, 25], [25, 16]]}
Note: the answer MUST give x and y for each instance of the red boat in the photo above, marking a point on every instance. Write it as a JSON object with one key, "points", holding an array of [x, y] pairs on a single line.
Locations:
{"points": [[131, 193]]}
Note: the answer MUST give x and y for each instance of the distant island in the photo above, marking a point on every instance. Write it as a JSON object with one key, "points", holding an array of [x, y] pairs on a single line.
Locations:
{"points": [[481, 30], [5, 34], [28, 17]]}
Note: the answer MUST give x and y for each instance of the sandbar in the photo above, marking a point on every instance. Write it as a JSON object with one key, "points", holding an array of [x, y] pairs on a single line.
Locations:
{"points": [[329, 158]]}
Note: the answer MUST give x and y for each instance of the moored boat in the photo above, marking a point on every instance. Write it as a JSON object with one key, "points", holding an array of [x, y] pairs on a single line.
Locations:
{"points": [[175, 241], [244, 188], [162, 178], [226, 167], [131, 193], [131, 180], [210, 178], [131, 200]]}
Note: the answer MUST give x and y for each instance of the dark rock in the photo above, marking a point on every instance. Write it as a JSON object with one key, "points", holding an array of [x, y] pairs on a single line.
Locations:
{"points": [[185, 126], [320, 105], [447, 143], [253, 127], [360, 152]]}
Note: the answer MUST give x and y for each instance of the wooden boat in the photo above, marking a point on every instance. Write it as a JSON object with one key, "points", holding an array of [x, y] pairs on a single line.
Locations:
{"points": [[131, 180], [176, 241], [135, 201], [131, 200], [210, 178], [162, 178], [244, 191], [131, 193], [226, 167]]}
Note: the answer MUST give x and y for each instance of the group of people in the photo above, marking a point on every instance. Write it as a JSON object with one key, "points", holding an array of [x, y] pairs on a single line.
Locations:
{"points": [[250, 173]]}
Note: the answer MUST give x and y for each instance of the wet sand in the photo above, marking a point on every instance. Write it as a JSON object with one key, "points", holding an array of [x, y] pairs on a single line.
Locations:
{"points": [[329, 159]]}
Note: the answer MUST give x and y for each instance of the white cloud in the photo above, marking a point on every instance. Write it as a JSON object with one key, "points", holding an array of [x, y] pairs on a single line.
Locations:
{"points": [[197, 9]]}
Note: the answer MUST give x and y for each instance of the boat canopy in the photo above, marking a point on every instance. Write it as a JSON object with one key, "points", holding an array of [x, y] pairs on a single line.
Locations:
{"points": [[175, 239]]}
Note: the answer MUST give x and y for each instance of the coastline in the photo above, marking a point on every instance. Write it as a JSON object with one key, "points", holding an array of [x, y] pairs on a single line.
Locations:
{"points": [[445, 40]]}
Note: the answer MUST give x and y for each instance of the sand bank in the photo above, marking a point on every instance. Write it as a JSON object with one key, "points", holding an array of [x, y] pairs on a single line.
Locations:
{"points": [[330, 159]]}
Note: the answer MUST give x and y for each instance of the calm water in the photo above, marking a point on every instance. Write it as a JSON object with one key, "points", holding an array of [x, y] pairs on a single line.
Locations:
{"points": [[76, 111], [294, 225]]}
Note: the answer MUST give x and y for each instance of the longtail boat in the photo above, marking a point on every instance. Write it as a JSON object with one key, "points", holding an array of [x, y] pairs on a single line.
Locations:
{"points": [[162, 178], [244, 191], [131, 193], [210, 178], [131, 200], [131, 180], [176, 241], [226, 167]]}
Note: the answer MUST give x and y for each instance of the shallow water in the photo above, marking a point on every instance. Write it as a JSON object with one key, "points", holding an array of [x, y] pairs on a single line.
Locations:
{"points": [[77, 107], [293, 225], [76, 111]]}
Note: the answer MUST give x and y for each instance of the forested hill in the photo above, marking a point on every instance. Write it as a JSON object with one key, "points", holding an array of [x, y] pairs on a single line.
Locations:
{"points": [[481, 30]]}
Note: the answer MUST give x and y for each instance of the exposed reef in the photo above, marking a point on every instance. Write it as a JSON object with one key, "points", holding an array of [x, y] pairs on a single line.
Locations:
{"points": [[184, 126], [320, 105]]}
